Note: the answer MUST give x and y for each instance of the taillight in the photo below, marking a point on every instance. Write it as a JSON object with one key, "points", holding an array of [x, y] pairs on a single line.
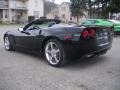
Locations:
{"points": [[85, 34], [68, 37], [88, 33], [92, 33]]}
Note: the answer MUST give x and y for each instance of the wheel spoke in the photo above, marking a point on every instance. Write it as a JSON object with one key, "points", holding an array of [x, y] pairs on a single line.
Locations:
{"points": [[56, 59], [50, 58], [57, 51], [51, 46], [48, 51], [52, 53]]}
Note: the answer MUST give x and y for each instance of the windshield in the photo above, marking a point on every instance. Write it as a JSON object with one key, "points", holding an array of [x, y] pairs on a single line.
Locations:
{"points": [[41, 25], [45, 23]]}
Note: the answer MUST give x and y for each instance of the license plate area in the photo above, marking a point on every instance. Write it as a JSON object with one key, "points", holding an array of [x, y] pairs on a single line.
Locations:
{"points": [[102, 41], [102, 36]]}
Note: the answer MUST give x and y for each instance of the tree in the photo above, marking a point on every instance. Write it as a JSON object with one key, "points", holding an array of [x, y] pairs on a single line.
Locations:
{"points": [[48, 6], [78, 8], [114, 6], [108, 6]]}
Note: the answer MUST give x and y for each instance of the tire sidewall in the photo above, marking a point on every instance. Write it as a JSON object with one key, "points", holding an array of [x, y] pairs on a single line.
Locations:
{"points": [[10, 47]]}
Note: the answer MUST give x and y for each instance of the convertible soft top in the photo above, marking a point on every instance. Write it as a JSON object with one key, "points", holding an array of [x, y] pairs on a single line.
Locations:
{"points": [[47, 21]]}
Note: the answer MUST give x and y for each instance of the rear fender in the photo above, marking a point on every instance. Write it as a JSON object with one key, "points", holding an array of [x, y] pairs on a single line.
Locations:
{"points": [[47, 39]]}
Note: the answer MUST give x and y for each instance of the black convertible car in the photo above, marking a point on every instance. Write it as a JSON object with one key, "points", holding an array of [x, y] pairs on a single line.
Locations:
{"points": [[60, 43]]}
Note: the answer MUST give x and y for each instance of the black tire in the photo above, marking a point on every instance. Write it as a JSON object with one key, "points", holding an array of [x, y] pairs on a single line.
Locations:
{"points": [[9, 48], [63, 59]]}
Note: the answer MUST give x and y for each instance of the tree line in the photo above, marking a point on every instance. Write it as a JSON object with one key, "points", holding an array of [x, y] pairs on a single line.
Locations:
{"points": [[104, 6], [78, 7]]}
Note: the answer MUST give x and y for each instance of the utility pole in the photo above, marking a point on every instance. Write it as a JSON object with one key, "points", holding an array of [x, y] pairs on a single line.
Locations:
{"points": [[90, 8]]}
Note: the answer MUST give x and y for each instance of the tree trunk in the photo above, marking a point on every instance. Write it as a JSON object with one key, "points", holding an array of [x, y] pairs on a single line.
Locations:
{"points": [[77, 19]]}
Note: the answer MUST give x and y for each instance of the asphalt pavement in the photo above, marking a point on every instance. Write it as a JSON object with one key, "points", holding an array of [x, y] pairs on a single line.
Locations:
{"points": [[23, 71]]}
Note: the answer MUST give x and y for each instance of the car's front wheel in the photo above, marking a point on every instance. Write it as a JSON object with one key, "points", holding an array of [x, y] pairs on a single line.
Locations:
{"points": [[54, 53], [7, 44]]}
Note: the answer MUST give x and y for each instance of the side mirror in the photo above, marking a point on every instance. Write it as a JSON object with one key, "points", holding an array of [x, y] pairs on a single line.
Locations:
{"points": [[20, 29]]}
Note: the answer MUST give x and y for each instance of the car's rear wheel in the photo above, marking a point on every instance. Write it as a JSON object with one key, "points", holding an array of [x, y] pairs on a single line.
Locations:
{"points": [[54, 53], [7, 44]]}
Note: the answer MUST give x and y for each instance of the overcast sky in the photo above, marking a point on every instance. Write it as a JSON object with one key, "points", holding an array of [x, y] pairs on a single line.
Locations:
{"points": [[60, 1]]}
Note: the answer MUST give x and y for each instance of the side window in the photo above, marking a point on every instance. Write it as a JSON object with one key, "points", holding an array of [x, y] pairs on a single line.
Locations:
{"points": [[87, 22], [83, 23], [96, 21], [30, 27], [92, 22]]}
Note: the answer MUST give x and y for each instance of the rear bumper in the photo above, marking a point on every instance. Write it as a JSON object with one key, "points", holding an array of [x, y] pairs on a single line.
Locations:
{"points": [[80, 49], [98, 52], [80, 46]]}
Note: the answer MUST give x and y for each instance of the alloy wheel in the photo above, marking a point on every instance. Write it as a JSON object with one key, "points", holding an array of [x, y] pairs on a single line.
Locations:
{"points": [[7, 43], [52, 53]]}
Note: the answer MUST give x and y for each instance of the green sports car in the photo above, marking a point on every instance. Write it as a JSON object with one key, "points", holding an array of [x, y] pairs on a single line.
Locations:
{"points": [[116, 25], [97, 22], [103, 22]]}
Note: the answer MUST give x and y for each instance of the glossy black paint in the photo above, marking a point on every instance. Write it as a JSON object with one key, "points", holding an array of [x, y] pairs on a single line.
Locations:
{"points": [[34, 40]]}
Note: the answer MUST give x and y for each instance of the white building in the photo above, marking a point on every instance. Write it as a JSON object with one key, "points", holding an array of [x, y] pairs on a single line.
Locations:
{"points": [[64, 13], [20, 10]]}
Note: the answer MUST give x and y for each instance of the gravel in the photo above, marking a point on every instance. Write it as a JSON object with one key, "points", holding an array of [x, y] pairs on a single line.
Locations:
{"points": [[23, 71]]}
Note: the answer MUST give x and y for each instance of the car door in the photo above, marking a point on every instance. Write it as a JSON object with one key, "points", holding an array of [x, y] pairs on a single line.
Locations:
{"points": [[28, 38]]}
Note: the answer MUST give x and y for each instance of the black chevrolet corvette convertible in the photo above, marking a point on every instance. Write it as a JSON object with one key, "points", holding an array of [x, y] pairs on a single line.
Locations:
{"points": [[60, 43]]}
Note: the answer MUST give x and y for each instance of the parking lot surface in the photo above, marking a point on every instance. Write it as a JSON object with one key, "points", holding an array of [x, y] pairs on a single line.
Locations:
{"points": [[22, 71]]}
